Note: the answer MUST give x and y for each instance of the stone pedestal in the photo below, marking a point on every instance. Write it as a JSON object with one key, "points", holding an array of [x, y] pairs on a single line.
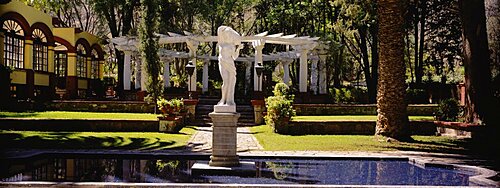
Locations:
{"points": [[224, 139]]}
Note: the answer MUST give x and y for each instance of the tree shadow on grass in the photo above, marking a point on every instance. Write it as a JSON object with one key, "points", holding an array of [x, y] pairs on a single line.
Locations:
{"points": [[451, 146], [69, 141], [19, 115]]}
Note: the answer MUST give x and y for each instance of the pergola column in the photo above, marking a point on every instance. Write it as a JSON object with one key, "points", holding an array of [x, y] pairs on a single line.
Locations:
{"points": [[205, 75], [166, 71], [257, 81], [303, 52], [286, 71], [303, 70], [193, 47], [314, 75], [322, 74], [137, 73], [126, 70]]}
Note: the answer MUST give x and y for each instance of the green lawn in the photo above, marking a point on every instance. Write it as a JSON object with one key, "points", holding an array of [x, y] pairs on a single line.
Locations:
{"points": [[95, 140], [351, 117], [78, 115], [275, 142]]}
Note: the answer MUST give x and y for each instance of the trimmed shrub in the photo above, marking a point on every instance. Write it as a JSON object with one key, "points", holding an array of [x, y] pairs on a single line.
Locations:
{"points": [[279, 108], [448, 110]]}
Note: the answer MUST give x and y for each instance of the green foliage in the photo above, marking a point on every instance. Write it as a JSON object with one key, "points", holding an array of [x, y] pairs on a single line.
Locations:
{"points": [[416, 96], [149, 46], [342, 95], [281, 89], [449, 110], [279, 107], [170, 107]]}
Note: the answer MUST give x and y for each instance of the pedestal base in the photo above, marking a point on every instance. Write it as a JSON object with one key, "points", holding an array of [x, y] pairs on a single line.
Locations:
{"points": [[245, 168], [224, 139], [224, 161], [224, 109]]}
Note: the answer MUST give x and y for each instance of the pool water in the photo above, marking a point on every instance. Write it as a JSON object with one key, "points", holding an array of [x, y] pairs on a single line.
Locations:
{"points": [[268, 171]]}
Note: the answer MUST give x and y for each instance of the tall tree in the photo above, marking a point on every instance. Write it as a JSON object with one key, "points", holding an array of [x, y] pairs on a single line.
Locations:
{"points": [[392, 119], [476, 62], [359, 30], [149, 46], [119, 17], [72, 13]]}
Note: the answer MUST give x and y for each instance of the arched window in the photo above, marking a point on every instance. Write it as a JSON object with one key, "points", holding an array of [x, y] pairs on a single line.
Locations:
{"points": [[40, 51], [81, 61], [60, 60], [94, 74], [13, 51]]}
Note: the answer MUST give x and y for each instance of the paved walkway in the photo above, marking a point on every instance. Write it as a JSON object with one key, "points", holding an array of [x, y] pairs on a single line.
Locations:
{"points": [[201, 141]]}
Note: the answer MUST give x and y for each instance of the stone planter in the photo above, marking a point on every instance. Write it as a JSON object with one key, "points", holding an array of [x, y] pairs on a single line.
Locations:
{"points": [[258, 109], [281, 125], [190, 106], [170, 124]]}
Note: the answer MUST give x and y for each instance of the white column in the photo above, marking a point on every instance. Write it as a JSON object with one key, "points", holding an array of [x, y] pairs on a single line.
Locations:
{"points": [[286, 71], [144, 75], [193, 47], [205, 75], [166, 72], [303, 70], [248, 76], [322, 74], [126, 71], [314, 75], [137, 74], [257, 81]]}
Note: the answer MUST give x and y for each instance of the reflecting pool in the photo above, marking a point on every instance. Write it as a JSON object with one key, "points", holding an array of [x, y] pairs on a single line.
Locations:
{"points": [[267, 171]]}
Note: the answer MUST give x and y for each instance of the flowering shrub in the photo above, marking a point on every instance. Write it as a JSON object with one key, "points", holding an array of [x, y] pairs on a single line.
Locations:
{"points": [[279, 107]]}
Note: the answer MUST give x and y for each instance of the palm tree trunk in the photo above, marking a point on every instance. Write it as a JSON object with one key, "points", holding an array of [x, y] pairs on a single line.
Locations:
{"points": [[392, 118]]}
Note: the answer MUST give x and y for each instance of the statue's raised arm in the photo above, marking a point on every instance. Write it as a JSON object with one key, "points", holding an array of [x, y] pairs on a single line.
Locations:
{"points": [[229, 44]]}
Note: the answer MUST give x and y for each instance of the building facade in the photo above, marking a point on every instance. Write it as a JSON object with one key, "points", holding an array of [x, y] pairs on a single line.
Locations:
{"points": [[47, 62]]}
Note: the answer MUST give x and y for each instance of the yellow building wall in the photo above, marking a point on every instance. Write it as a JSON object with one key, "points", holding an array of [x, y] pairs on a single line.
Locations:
{"points": [[67, 34], [31, 14], [101, 70], [82, 84], [28, 54], [89, 67], [71, 64], [92, 39], [42, 79], [18, 77], [51, 66]]}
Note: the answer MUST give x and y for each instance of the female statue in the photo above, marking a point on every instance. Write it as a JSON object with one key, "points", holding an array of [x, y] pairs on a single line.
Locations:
{"points": [[229, 43]]}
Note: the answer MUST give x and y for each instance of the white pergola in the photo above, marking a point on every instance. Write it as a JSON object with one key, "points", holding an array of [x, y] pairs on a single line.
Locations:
{"points": [[303, 48]]}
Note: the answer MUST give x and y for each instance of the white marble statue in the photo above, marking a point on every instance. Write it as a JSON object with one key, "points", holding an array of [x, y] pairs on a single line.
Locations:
{"points": [[229, 43]]}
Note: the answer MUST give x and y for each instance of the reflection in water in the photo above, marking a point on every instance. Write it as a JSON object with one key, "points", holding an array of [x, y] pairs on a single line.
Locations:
{"points": [[269, 171]]}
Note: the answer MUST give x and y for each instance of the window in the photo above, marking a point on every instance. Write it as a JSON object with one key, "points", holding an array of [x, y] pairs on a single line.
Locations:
{"points": [[40, 51], [81, 61], [13, 54], [61, 61], [94, 74]]}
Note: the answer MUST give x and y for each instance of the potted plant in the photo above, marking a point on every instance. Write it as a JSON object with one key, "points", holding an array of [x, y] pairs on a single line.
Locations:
{"points": [[279, 108], [170, 121]]}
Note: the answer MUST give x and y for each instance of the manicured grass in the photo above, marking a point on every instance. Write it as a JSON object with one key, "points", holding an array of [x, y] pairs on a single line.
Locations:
{"points": [[95, 140], [275, 142], [351, 117], [78, 115]]}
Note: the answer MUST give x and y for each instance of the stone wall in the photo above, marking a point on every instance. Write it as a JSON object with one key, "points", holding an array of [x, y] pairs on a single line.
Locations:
{"points": [[359, 109], [101, 106], [97, 125], [349, 128]]}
